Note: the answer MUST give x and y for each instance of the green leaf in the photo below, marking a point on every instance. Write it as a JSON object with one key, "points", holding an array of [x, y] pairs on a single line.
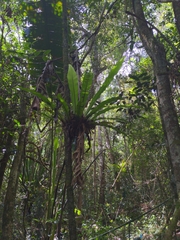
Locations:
{"points": [[86, 85], [45, 56], [64, 104], [106, 83], [116, 119], [73, 87], [40, 96], [56, 143], [101, 105], [77, 211], [17, 123], [102, 111], [107, 124]]}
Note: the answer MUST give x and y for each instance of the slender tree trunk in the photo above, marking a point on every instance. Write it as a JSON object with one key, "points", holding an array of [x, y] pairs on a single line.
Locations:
{"points": [[102, 176], [9, 202], [67, 139], [8, 213], [5, 158], [166, 105], [113, 161], [96, 66], [176, 8], [102, 170], [94, 171], [65, 51], [69, 187]]}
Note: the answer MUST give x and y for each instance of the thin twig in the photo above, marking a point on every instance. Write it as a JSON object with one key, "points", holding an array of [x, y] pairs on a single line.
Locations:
{"points": [[133, 220], [93, 35], [153, 27]]}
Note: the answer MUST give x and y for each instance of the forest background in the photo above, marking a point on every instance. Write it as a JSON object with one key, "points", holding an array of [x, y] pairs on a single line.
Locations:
{"points": [[89, 119]]}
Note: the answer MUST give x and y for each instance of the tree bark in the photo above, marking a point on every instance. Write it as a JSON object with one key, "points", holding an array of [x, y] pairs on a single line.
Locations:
{"points": [[67, 138], [112, 159], [176, 8], [69, 187], [95, 180], [102, 170], [5, 158], [9, 202], [8, 212], [168, 114], [65, 51], [102, 178], [166, 105]]}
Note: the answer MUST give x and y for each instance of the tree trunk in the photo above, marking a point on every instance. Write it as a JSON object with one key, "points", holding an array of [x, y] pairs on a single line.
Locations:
{"points": [[102, 170], [5, 158], [67, 140], [9, 202], [176, 8], [166, 105], [95, 180], [112, 159], [102, 177], [69, 187], [167, 110]]}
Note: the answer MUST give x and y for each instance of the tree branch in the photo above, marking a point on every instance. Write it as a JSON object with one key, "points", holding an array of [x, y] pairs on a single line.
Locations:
{"points": [[153, 27], [93, 35]]}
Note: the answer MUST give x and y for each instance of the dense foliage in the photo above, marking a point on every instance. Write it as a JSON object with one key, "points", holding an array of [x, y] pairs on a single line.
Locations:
{"points": [[84, 148]]}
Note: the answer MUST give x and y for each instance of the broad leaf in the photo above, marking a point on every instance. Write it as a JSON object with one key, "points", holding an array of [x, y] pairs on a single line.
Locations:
{"points": [[108, 125], [73, 87], [64, 104], [116, 119], [40, 96], [86, 85], [56, 143], [106, 83], [102, 111], [101, 105]]}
